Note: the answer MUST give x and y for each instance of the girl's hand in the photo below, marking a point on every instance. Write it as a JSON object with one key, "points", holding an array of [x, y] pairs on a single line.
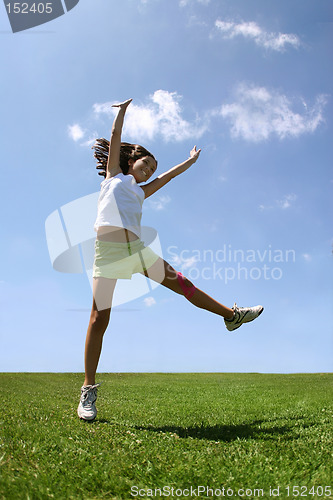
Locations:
{"points": [[122, 105], [194, 154]]}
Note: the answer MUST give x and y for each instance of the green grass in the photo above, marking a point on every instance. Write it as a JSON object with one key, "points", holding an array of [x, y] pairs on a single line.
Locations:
{"points": [[153, 430]]}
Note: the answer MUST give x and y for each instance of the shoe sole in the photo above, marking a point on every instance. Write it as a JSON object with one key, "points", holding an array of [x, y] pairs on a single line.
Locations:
{"points": [[86, 419]]}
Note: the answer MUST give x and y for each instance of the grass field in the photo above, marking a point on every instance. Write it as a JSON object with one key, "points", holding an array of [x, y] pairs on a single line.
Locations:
{"points": [[247, 433]]}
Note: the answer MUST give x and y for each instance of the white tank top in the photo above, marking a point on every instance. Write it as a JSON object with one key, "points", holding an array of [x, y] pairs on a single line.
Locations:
{"points": [[120, 204]]}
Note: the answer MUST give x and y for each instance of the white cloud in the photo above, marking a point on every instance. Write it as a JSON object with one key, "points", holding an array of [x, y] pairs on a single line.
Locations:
{"points": [[104, 107], [149, 301], [162, 115], [251, 30], [160, 203], [91, 139], [258, 113], [307, 257], [195, 21], [75, 132], [264, 207], [140, 123], [286, 201], [183, 3], [183, 262], [214, 226]]}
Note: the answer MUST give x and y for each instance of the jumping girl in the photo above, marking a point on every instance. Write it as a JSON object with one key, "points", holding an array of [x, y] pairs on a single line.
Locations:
{"points": [[119, 251]]}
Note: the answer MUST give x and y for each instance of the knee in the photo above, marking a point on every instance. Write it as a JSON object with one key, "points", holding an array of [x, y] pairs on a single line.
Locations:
{"points": [[100, 319], [186, 285]]}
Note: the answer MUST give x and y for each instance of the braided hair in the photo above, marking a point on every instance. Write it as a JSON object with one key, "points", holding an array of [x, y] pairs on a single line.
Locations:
{"points": [[127, 151]]}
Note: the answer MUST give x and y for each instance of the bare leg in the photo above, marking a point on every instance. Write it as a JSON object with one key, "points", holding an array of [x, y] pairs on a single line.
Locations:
{"points": [[199, 298], [103, 289]]}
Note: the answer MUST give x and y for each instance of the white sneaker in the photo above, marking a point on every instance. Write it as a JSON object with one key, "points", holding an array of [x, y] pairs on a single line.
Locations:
{"points": [[242, 315], [87, 409]]}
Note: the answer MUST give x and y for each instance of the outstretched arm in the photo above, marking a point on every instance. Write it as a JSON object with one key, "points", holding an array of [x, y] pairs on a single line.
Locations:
{"points": [[164, 178], [113, 167]]}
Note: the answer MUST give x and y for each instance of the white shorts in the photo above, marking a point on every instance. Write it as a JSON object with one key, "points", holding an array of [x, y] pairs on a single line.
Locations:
{"points": [[121, 260]]}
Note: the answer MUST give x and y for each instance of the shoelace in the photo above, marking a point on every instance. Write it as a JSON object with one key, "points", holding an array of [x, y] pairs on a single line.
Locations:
{"points": [[89, 394], [236, 313]]}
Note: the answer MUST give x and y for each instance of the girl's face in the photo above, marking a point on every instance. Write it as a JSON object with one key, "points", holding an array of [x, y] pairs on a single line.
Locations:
{"points": [[142, 169]]}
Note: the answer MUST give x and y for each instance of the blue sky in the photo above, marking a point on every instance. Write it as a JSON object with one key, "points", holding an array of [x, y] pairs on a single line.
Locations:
{"points": [[248, 82]]}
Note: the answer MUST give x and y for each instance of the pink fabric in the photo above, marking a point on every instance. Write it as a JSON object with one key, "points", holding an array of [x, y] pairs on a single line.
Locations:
{"points": [[188, 291]]}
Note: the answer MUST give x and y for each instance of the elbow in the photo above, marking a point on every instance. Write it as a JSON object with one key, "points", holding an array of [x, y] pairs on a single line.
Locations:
{"points": [[170, 175], [115, 132]]}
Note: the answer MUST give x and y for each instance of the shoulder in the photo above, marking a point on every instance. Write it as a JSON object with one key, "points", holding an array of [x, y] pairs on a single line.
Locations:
{"points": [[115, 179], [112, 177]]}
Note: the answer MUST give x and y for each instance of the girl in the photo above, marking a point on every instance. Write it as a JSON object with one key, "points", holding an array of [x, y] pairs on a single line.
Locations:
{"points": [[119, 251]]}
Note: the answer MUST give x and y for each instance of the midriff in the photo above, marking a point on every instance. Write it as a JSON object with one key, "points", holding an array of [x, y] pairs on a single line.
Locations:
{"points": [[115, 234]]}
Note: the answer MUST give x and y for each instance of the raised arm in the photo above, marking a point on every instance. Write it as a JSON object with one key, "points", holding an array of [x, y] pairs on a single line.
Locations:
{"points": [[113, 167], [166, 177]]}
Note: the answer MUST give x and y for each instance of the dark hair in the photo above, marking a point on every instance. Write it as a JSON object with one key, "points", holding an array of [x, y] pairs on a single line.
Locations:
{"points": [[127, 151]]}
